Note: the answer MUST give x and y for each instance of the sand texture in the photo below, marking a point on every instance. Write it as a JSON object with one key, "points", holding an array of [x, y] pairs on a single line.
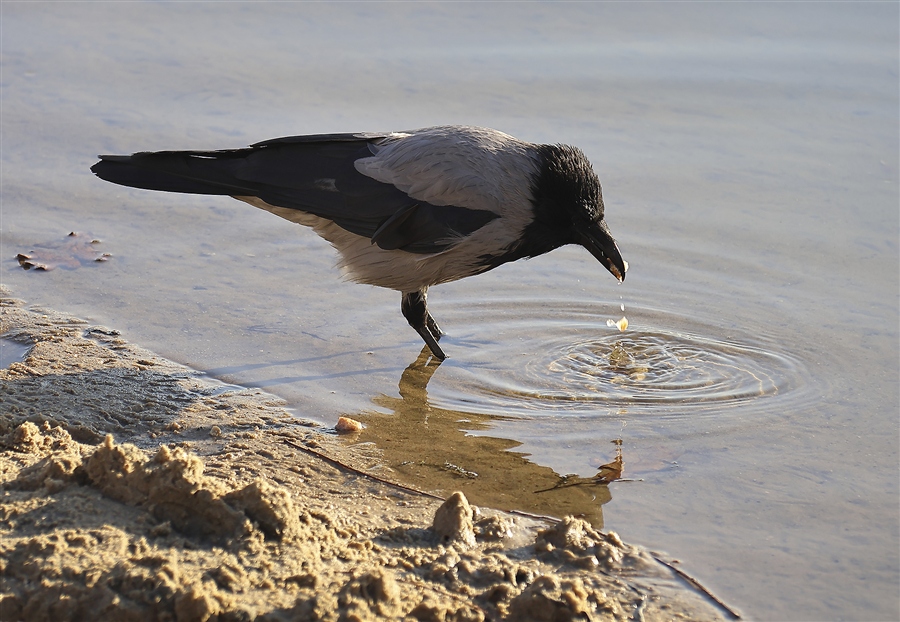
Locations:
{"points": [[134, 489]]}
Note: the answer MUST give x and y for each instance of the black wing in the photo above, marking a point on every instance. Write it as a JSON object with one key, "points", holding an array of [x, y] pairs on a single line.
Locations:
{"points": [[314, 174]]}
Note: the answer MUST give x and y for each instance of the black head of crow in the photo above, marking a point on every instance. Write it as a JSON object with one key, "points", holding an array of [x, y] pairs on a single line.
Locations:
{"points": [[406, 210]]}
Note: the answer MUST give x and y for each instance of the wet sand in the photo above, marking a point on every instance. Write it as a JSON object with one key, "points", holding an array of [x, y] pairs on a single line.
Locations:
{"points": [[136, 489]]}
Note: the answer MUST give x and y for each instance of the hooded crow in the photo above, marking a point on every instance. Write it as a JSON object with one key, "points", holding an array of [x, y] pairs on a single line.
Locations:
{"points": [[405, 210]]}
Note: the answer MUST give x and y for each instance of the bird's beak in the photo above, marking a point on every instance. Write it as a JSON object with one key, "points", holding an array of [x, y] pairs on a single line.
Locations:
{"points": [[600, 243]]}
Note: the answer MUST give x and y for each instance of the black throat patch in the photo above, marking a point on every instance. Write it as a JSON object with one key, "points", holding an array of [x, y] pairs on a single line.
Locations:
{"points": [[566, 193]]}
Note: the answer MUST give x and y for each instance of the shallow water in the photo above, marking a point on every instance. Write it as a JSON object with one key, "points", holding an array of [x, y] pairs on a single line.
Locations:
{"points": [[553, 356], [749, 161], [11, 352]]}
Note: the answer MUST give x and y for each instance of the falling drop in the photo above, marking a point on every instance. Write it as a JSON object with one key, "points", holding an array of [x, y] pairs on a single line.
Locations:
{"points": [[621, 324]]}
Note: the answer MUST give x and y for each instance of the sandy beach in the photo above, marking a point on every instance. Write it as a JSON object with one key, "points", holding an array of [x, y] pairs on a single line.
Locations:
{"points": [[136, 489]]}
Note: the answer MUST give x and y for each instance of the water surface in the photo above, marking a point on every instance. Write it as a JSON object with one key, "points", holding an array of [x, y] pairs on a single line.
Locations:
{"points": [[748, 154]]}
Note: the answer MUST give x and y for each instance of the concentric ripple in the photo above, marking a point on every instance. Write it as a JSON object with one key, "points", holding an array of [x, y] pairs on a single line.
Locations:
{"points": [[664, 365], [655, 367]]}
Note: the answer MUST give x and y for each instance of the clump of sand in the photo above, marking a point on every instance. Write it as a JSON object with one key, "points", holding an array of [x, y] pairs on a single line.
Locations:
{"points": [[134, 490]]}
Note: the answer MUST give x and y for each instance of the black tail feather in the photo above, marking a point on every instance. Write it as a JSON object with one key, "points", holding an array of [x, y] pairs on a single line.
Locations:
{"points": [[189, 172]]}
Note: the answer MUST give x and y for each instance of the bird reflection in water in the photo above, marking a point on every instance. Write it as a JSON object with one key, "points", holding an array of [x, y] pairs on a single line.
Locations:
{"points": [[443, 450]]}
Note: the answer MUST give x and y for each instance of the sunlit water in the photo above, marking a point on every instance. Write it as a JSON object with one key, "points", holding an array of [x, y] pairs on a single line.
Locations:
{"points": [[558, 358], [748, 154]]}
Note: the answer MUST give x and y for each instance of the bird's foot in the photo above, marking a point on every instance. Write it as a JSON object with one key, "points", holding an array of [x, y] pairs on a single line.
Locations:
{"points": [[431, 341], [433, 327], [416, 313]]}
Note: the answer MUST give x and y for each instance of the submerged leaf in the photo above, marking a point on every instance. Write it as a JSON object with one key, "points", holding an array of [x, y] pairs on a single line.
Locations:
{"points": [[74, 251]]}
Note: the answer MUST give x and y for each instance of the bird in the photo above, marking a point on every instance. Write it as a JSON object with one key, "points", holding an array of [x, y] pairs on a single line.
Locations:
{"points": [[406, 210]]}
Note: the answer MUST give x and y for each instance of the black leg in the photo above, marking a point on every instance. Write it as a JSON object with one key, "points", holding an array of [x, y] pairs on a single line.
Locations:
{"points": [[416, 313]]}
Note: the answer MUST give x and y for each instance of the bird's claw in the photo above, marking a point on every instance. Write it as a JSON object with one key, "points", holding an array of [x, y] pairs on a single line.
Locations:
{"points": [[431, 341]]}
